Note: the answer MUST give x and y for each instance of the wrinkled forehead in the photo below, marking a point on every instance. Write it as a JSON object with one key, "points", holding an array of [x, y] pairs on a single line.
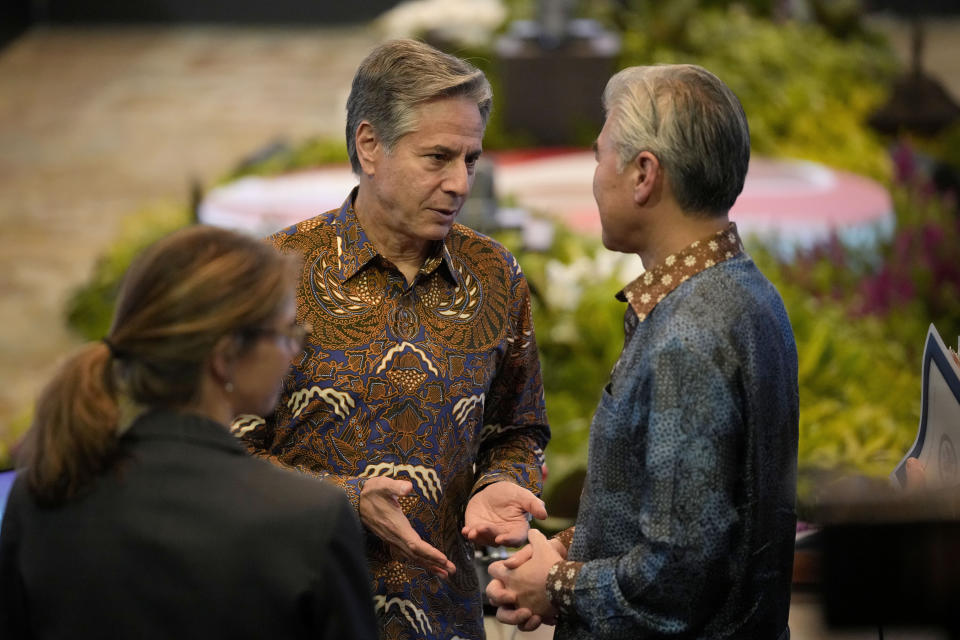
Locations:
{"points": [[456, 117]]}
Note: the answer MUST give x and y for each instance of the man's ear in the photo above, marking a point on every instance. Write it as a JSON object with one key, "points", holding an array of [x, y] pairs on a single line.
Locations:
{"points": [[647, 180], [368, 146]]}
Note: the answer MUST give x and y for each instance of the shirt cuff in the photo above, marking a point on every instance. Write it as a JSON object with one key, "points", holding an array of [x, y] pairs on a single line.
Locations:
{"points": [[561, 580], [565, 537]]}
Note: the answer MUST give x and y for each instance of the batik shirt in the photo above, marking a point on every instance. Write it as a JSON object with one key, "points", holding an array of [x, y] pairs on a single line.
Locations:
{"points": [[436, 382], [686, 524]]}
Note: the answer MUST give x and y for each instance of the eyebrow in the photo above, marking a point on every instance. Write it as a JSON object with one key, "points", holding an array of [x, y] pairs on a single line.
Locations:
{"points": [[439, 148], [447, 151]]}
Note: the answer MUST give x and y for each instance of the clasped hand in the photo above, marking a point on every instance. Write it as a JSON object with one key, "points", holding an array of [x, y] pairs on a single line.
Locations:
{"points": [[518, 585]]}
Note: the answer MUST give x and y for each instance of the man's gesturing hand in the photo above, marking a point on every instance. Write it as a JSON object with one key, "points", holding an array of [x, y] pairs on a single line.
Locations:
{"points": [[497, 514], [380, 511]]}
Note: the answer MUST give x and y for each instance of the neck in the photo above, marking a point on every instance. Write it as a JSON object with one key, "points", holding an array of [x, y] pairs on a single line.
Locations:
{"points": [[406, 252], [212, 402], [677, 231]]}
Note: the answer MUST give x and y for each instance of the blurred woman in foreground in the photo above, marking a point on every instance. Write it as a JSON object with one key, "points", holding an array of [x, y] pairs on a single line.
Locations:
{"points": [[136, 514]]}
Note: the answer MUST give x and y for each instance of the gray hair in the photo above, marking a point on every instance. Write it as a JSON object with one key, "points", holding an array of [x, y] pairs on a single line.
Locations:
{"points": [[692, 122], [396, 78]]}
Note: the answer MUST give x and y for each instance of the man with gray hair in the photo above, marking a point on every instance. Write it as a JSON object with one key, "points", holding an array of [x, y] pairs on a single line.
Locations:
{"points": [[686, 523], [419, 392]]}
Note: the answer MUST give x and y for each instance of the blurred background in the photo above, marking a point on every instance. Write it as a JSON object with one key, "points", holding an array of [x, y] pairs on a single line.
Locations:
{"points": [[120, 121]]}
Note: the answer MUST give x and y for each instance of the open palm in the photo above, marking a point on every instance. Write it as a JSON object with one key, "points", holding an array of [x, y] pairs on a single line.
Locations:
{"points": [[498, 514]]}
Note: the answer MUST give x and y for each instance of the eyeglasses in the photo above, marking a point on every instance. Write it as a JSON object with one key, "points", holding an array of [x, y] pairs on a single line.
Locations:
{"points": [[295, 334]]}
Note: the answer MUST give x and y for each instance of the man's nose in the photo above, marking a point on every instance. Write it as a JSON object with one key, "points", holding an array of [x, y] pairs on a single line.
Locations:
{"points": [[457, 181]]}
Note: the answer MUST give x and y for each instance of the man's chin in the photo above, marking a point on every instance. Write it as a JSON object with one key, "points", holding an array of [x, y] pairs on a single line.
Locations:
{"points": [[615, 244], [439, 230], [609, 241]]}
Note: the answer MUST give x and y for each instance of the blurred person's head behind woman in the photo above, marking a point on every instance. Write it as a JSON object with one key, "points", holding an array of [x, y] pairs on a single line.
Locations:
{"points": [[204, 323]]}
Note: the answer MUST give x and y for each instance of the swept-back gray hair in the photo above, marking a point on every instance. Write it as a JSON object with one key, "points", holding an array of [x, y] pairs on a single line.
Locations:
{"points": [[692, 122], [396, 78]]}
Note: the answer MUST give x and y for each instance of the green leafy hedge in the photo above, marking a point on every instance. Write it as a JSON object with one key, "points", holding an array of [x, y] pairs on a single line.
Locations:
{"points": [[909, 280], [859, 385], [807, 87], [283, 158], [90, 307], [806, 94]]}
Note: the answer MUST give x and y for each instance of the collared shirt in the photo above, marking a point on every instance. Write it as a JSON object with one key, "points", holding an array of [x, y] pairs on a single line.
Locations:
{"points": [[648, 289], [435, 381], [686, 523]]}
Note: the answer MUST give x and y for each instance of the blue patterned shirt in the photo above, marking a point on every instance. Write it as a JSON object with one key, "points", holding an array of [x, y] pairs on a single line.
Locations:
{"points": [[687, 523]]}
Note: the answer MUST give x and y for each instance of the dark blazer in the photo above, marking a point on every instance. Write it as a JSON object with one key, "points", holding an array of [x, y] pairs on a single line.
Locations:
{"points": [[185, 537]]}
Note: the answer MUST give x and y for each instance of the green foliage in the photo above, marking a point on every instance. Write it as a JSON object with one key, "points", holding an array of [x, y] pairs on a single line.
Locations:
{"points": [[861, 329], [806, 94], [945, 147], [859, 385], [17, 427], [908, 280], [90, 307], [313, 152], [579, 325]]}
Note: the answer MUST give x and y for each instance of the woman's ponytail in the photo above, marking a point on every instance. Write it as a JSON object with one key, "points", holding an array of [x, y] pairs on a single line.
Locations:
{"points": [[74, 432]]}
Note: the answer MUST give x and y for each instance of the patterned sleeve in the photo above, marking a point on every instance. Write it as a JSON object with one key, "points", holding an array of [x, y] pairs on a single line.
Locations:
{"points": [[515, 430], [680, 569], [561, 583], [565, 537], [257, 434], [261, 434], [254, 432], [563, 575]]}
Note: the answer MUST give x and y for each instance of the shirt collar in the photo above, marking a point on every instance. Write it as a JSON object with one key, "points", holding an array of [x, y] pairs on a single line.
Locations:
{"points": [[644, 293], [443, 257], [355, 249]]}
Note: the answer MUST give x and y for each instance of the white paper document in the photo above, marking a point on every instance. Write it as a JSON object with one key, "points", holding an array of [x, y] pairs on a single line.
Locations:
{"points": [[938, 437]]}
